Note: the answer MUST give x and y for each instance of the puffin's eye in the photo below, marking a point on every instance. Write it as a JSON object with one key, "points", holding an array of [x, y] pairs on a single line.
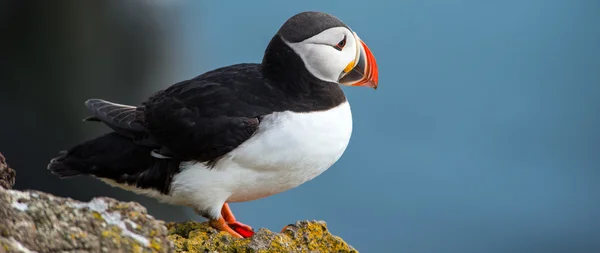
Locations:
{"points": [[340, 45]]}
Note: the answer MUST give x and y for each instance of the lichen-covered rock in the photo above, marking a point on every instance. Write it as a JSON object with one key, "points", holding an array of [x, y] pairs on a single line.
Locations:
{"points": [[304, 236], [32, 221], [7, 175]]}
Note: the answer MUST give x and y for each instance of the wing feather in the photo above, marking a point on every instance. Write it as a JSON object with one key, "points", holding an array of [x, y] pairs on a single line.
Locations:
{"points": [[206, 117]]}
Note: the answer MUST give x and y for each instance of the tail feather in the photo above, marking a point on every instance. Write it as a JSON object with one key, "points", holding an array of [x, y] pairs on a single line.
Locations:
{"points": [[116, 157], [61, 168], [110, 155]]}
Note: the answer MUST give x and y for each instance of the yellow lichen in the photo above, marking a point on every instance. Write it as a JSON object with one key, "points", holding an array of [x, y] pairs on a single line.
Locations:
{"points": [[97, 215], [114, 235], [179, 242], [184, 228], [135, 248], [78, 235], [302, 237], [155, 244]]}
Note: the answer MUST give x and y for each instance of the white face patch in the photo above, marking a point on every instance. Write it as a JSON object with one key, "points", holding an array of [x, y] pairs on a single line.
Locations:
{"points": [[320, 56]]}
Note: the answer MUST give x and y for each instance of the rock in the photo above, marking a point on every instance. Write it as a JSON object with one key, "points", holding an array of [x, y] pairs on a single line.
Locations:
{"points": [[7, 175], [304, 236], [33, 221]]}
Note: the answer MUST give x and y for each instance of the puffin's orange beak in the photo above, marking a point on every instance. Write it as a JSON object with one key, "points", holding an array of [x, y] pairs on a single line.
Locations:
{"points": [[362, 71]]}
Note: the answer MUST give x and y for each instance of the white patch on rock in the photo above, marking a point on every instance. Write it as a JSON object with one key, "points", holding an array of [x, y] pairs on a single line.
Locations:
{"points": [[20, 206], [132, 224], [112, 218], [19, 195], [16, 196]]}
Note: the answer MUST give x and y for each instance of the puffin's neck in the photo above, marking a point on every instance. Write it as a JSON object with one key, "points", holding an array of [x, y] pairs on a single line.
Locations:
{"points": [[285, 69]]}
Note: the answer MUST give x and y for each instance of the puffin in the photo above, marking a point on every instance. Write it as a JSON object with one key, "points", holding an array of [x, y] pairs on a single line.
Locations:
{"points": [[236, 133]]}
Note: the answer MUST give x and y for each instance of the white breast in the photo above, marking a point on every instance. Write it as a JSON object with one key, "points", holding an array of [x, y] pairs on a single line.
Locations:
{"points": [[288, 149]]}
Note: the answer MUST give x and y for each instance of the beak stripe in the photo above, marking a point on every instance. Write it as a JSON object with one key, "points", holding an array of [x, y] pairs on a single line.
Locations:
{"points": [[349, 67], [373, 74]]}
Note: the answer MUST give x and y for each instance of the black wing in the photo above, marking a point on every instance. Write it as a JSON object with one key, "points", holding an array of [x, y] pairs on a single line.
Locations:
{"points": [[123, 119], [200, 119], [206, 117]]}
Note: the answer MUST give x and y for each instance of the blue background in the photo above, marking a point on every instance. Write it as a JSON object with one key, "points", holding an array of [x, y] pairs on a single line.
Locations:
{"points": [[482, 137]]}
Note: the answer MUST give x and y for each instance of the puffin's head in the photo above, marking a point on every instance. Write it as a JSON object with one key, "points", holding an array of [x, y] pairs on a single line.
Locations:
{"points": [[330, 50]]}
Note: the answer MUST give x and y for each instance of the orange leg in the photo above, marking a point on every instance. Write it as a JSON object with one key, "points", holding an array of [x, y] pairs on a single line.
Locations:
{"points": [[241, 228]]}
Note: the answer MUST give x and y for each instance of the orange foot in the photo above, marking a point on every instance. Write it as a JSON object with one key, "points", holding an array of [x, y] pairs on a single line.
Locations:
{"points": [[221, 225], [240, 228]]}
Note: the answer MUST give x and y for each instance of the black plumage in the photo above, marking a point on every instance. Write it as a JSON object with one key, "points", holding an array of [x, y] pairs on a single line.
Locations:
{"points": [[200, 119], [116, 157]]}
